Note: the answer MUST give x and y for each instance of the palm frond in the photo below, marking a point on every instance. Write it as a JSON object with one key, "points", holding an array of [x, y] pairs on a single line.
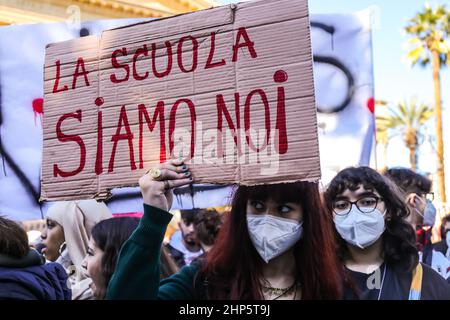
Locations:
{"points": [[416, 54], [405, 118], [429, 30]]}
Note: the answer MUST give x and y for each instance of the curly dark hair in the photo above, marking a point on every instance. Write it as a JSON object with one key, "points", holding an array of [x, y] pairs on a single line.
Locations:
{"points": [[399, 238], [13, 239], [109, 235], [409, 181], [207, 225]]}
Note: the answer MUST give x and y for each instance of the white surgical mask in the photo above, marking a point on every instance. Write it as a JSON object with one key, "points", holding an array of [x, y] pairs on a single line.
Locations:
{"points": [[360, 229], [271, 236], [429, 216]]}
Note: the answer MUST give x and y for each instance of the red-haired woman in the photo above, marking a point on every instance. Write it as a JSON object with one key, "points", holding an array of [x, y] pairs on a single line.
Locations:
{"points": [[277, 243]]}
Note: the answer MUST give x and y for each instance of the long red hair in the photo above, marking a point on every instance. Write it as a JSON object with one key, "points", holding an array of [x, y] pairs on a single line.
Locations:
{"points": [[234, 268]]}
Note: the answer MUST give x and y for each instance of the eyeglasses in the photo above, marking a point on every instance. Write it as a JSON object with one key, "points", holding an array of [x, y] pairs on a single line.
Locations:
{"points": [[365, 205], [429, 196]]}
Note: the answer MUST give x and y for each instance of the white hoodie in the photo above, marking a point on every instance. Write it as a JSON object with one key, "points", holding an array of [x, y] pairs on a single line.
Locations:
{"points": [[177, 243]]}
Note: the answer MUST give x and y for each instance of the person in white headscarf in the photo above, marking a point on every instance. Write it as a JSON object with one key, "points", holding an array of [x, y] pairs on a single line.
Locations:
{"points": [[66, 239]]}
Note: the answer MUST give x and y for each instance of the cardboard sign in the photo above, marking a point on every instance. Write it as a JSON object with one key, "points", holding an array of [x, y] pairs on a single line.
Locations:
{"points": [[230, 88]]}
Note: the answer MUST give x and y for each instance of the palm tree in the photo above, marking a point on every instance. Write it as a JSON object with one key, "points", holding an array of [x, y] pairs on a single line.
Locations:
{"points": [[430, 31], [405, 119]]}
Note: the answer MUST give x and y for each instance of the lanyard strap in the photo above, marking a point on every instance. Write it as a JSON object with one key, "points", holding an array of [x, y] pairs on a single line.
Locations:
{"points": [[416, 284]]}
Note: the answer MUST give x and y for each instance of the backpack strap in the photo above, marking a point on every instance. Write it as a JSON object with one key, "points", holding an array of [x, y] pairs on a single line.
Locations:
{"points": [[416, 284]]}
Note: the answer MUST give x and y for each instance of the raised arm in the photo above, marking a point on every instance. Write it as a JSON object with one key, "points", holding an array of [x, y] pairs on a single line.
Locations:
{"points": [[137, 270]]}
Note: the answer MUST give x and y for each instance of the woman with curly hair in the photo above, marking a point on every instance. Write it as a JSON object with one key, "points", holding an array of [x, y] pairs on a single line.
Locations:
{"points": [[376, 244]]}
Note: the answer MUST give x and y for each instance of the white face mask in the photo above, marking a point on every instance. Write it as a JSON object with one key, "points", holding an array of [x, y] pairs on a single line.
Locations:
{"points": [[360, 229], [429, 216], [272, 236]]}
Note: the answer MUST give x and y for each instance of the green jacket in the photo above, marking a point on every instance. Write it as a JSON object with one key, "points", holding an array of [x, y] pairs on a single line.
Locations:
{"points": [[137, 271]]}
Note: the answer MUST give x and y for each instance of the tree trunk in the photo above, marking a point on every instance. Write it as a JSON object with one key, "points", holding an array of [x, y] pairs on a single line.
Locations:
{"points": [[438, 119], [413, 158]]}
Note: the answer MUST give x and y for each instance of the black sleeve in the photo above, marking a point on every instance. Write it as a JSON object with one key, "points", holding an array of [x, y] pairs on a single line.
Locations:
{"points": [[177, 256], [33, 258], [440, 246], [434, 286]]}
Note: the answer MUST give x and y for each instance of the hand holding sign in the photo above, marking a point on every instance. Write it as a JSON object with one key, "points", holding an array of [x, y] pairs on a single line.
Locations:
{"points": [[157, 190]]}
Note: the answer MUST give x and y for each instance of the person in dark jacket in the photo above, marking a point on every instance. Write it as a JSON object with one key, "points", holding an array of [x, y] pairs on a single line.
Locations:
{"points": [[23, 272], [376, 243], [415, 188]]}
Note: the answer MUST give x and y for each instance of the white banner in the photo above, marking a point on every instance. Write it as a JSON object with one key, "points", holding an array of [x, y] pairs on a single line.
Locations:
{"points": [[343, 71]]}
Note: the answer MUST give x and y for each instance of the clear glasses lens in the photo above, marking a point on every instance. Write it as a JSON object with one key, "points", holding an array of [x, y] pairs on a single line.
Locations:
{"points": [[365, 205], [342, 207]]}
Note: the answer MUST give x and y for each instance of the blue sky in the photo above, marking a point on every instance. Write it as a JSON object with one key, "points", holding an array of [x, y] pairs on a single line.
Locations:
{"points": [[394, 79]]}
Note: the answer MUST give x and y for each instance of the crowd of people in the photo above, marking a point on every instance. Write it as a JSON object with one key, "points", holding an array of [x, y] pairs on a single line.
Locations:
{"points": [[367, 236]]}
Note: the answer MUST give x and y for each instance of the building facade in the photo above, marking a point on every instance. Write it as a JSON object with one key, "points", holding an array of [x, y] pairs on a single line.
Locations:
{"points": [[37, 11]]}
